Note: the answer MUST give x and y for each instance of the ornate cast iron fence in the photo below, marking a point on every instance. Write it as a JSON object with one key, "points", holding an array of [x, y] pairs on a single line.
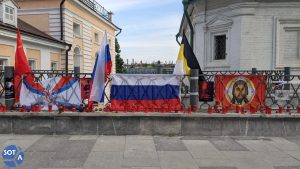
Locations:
{"points": [[276, 80]]}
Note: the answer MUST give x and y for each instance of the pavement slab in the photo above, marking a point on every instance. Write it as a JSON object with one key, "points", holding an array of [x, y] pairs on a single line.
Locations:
{"points": [[176, 160], [284, 144], [110, 143], [49, 144], [104, 160], [140, 152], [258, 145], [227, 144], [203, 149], [169, 144]]}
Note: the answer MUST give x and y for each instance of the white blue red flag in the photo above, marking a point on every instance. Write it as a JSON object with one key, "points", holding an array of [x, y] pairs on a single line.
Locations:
{"points": [[54, 91], [101, 72], [144, 91]]}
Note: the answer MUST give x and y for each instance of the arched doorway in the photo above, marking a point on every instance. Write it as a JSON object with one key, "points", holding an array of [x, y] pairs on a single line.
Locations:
{"points": [[77, 57]]}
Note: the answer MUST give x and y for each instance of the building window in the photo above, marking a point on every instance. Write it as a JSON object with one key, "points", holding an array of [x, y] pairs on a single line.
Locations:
{"points": [[9, 13], [32, 64], [97, 37], [287, 42], [220, 47], [3, 63], [76, 29], [54, 66], [78, 58]]}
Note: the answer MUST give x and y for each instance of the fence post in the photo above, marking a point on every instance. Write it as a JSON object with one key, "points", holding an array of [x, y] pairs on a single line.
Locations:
{"points": [[9, 86], [77, 72], [194, 89], [287, 73], [254, 71], [159, 68]]}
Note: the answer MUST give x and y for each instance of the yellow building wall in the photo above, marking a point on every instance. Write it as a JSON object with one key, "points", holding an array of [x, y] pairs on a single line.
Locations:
{"points": [[96, 46], [8, 52], [34, 55], [96, 22], [56, 57], [37, 4], [40, 21], [88, 17]]}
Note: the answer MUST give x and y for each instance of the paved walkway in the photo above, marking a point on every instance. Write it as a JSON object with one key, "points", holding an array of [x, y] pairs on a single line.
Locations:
{"points": [[147, 152]]}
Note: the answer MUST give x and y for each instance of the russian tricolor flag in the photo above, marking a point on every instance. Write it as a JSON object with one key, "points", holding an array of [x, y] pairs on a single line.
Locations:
{"points": [[101, 72], [155, 91]]}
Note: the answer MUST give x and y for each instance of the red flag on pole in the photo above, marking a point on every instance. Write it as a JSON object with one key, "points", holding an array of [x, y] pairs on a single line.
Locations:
{"points": [[21, 67]]}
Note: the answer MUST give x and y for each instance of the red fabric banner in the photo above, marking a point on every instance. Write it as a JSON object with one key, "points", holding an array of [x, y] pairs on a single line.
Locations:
{"points": [[240, 90], [21, 67]]}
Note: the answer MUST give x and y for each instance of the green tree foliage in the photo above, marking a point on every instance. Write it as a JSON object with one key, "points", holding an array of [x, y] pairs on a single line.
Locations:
{"points": [[119, 61]]}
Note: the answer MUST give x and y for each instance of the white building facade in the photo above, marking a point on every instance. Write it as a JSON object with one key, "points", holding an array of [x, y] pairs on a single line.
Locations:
{"points": [[245, 34]]}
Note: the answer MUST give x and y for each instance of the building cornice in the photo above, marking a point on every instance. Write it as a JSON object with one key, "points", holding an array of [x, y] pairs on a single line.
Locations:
{"points": [[26, 38]]}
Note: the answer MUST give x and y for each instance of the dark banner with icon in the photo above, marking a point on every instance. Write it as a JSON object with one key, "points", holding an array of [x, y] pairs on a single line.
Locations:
{"points": [[85, 84], [240, 90], [206, 91]]}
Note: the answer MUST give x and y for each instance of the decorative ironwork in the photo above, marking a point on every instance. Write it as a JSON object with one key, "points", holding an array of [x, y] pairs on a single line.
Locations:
{"points": [[276, 81], [96, 7]]}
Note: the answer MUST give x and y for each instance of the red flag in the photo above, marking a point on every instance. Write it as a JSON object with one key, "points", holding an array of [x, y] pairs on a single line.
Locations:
{"points": [[21, 67]]}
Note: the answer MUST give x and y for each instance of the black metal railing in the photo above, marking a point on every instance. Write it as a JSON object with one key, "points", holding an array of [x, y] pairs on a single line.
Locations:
{"points": [[96, 7], [275, 80]]}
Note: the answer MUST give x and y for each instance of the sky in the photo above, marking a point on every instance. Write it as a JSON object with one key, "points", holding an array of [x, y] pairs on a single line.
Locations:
{"points": [[148, 28]]}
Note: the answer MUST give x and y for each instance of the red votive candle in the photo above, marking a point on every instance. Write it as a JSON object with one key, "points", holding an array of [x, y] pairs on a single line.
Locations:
{"points": [[288, 109], [223, 110], [4, 109], [50, 108], [252, 110], [210, 110], [243, 110], [280, 109], [23, 108], [64, 108], [189, 110], [237, 109], [268, 110], [108, 109]]}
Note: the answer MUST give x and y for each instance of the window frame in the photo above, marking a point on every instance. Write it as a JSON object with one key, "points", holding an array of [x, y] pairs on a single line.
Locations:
{"points": [[215, 47], [11, 16], [96, 37], [56, 63], [35, 64], [7, 61], [75, 33], [281, 27]]}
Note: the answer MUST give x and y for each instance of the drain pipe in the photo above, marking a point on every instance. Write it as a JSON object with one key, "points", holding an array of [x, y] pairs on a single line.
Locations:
{"points": [[67, 57], [120, 31], [61, 20], [62, 35], [185, 6]]}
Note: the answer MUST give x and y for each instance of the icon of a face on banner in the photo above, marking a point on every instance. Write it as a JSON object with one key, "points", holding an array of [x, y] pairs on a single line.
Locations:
{"points": [[240, 91]]}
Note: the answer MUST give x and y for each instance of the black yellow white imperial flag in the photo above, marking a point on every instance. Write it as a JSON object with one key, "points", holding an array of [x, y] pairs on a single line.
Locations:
{"points": [[186, 60]]}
